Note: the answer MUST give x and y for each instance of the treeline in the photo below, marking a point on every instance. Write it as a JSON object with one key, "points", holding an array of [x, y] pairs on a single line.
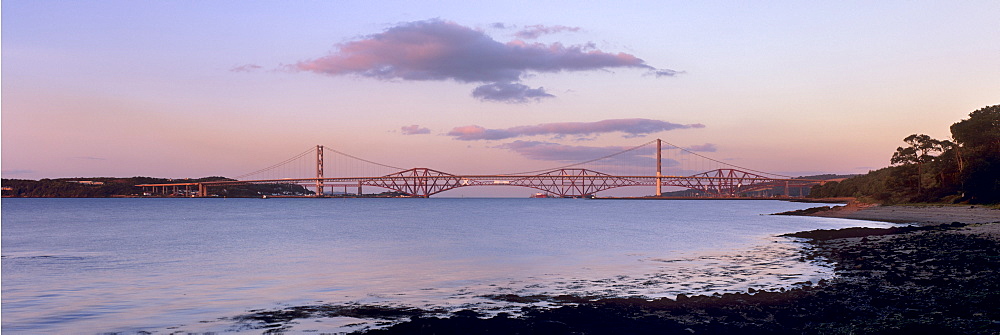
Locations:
{"points": [[81, 187], [963, 169], [122, 187]]}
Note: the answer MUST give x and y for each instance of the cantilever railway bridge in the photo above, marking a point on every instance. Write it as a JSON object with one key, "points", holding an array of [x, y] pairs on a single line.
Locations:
{"points": [[568, 181]]}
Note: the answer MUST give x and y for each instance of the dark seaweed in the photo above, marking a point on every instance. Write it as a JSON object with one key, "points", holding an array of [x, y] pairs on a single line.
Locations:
{"points": [[917, 281]]}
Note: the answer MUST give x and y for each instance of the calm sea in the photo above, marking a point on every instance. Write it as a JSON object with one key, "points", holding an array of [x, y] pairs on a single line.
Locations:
{"points": [[190, 265]]}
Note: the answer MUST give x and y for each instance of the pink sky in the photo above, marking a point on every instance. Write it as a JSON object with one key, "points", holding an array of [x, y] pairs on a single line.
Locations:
{"points": [[118, 88]]}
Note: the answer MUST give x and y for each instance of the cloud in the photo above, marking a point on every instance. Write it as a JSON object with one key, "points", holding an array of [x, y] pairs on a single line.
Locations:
{"points": [[631, 127], [414, 130], [533, 32], [665, 73], [16, 172], [440, 50], [509, 93], [443, 50], [90, 158], [707, 147], [472, 133], [246, 68], [548, 151]]}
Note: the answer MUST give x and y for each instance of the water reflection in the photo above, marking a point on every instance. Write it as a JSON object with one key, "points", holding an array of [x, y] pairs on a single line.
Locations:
{"points": [[108, 265]]}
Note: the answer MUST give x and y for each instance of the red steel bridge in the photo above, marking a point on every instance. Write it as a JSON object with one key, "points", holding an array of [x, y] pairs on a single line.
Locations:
{"points": [[575, 180]]}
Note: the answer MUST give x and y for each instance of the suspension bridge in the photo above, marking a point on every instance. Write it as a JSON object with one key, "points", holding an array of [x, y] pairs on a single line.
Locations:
{"points": [[640, 166]]}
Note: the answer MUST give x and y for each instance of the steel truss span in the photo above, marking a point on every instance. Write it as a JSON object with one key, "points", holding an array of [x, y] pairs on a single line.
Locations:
{"points": [[575, 183], [568, 181]]}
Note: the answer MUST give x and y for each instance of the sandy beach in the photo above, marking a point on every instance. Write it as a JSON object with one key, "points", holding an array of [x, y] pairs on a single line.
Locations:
{"points": [[916, 214]]}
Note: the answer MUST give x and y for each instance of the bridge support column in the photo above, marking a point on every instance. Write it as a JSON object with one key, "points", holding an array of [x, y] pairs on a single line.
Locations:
{"points": [[659, 168], [202, 190], [319, 170]]}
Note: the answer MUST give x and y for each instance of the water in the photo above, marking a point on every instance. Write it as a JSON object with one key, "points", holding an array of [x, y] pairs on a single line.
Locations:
{"points": [[166, 265]]}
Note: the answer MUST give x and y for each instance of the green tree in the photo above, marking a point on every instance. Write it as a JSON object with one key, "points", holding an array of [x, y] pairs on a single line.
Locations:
{"points": [[978, 154], [966, 168], [980, 130], [920, 151]]}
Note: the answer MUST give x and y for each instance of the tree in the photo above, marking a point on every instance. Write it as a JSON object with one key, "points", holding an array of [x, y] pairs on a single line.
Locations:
{"points": [[920, 149], [964, 169], [919, 152], [978, 154], [980, 130]]}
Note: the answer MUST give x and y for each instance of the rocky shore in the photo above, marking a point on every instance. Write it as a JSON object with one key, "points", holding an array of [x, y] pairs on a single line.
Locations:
{"points": [[933, 279]]}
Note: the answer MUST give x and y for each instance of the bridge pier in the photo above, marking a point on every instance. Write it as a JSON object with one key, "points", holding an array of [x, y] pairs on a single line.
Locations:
{"points": [[423, 182], [659, 168], [319, 171]]}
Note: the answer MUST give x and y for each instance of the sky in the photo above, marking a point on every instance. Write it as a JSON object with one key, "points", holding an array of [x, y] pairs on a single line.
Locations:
{"points": [[204, 88]]}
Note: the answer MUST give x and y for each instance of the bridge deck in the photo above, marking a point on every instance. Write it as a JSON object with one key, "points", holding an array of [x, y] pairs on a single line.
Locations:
{"points": [[423, 182]]}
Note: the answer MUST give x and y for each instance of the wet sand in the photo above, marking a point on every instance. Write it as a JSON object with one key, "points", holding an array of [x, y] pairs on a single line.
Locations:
{"points": [[926, 279]]}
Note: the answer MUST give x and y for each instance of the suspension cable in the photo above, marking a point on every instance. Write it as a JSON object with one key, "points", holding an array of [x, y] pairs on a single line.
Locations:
{"points": [[364, 160], [585, 162], [310, 150], [276, 165], [723, 163]]}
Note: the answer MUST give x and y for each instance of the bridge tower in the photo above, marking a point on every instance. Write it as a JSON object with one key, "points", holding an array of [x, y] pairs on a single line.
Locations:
{"points": [[319, 171], [659, 168]]}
